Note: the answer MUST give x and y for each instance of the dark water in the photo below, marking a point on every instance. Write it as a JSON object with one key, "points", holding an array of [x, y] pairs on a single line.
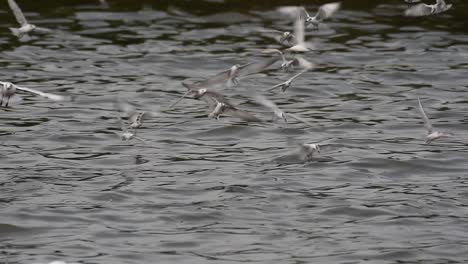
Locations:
{"points": [[207, 191]]}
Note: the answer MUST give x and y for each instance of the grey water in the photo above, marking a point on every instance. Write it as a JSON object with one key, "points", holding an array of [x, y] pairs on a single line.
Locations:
{"points": [[199, 190]]}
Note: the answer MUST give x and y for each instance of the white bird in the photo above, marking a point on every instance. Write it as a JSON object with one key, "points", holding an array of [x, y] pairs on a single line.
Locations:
{"points": [[285, 64], [285, 85], [25, 27], [286, 37], [135, 118], [277, 112], [217, 111], [231, 76], [216, 100], [306, 151], [9, 89], [425, 9], [324, 12], [431, 133]]}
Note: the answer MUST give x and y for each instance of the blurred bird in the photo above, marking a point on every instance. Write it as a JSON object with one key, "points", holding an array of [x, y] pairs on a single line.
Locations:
{"points": [[324, 12], [285, 39], [25, 26], [285, 85], [425, 9], [8, 90], [135, 118], [218, 104], [431, 133], [277, 112], [231, 76]]}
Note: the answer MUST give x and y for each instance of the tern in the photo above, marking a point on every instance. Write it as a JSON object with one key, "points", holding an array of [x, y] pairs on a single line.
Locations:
{"points": [[220, 105], [231, 76], [25, 26], [425, 9], [324, 12], [285, 64], [135, 118], [431, 133], [285, 85], [306, 151], [9, 90], [286, 36], [277, 112]]}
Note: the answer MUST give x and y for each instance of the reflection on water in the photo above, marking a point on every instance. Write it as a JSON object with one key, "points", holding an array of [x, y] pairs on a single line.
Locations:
{"points": [[199, 190]]}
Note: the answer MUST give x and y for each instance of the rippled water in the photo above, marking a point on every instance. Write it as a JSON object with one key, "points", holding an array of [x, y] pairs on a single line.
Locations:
{"points": [[207, 191]]}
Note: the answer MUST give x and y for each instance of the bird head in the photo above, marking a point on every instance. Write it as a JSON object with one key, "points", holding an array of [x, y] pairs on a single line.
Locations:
{"points": [[200, 92]]}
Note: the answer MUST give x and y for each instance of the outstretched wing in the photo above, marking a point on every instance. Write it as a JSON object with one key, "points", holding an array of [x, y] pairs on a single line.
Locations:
{"points": [[327, 10], [419, 10], [256, 67], [54, 97], [17, 12], [427, 123]]}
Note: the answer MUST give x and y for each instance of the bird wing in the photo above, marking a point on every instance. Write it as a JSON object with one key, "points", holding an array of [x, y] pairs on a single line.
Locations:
{"points": [[299, 61], [124, 107], [256, 67], [212, 98], [299, 29], [276, 86], [17, 12], [296, 75], [427, 123], [327, 10], [219, 78], [50, 96], [419, 10], [267, 103], [299, 119]]}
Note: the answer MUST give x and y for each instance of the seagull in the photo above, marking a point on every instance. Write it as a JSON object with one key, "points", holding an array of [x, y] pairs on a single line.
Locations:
{"points": [[325, 11], [231, 76], [285, 85], [217, 111], [286, 36], [135, 118], [9, 90], [431, 133], [306, 151], [220, 105], [25, 26], [285, 64], [425, 9], [277, 112]]}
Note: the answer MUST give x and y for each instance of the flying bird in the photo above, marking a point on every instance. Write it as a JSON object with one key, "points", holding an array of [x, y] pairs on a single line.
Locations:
{"points": [[431, 133], [8, 90], [285, 85], [277, 112], [231, 76], [218, 102], [425, 9], [135, 118], [25, 27], [324, 12], [286, 37]]}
